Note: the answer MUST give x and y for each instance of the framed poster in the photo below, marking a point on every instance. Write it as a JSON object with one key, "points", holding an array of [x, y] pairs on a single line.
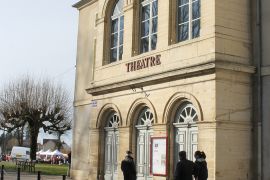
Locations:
{"points": [[159, 156]]}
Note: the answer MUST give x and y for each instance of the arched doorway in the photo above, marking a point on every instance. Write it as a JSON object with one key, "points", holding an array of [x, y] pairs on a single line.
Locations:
{"points": [[144, 133], [111, 147], [185, 131]]}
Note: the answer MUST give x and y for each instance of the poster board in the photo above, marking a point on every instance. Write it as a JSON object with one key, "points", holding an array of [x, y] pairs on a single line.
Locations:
{"points": [[159, 156]]}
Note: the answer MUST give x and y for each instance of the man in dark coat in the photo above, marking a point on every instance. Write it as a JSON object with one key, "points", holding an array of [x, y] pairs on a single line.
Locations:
{"points": [[184, 168], [128, 167]]}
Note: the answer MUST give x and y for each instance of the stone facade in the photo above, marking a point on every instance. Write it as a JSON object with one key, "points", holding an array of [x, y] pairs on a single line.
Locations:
{"points": [[212, 72]]}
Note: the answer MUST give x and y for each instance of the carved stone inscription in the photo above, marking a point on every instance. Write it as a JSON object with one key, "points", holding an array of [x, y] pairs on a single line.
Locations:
{"points": [[143, 63]]}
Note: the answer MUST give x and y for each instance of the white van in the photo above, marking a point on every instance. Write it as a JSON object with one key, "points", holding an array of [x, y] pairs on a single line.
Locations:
{"points": [[22, 153]]}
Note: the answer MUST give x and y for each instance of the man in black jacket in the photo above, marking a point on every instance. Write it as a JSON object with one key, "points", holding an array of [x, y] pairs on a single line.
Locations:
{"points": [[128, 167], [184, 168]]}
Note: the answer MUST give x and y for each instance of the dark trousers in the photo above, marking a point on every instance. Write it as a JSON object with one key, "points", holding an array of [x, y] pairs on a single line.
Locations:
{"points": [[129, 177]]}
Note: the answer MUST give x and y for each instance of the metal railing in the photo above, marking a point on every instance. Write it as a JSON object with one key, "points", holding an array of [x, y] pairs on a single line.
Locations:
{"points": [[19, 174]]}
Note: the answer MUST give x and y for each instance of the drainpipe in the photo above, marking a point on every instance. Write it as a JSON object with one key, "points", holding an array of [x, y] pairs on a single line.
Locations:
{"points": [[259, 81]]}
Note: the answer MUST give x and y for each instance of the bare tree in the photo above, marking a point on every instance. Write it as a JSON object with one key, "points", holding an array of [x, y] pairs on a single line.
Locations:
{"points": [[37, 104]]}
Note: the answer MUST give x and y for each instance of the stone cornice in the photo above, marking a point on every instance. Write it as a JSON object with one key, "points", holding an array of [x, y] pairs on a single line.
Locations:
{"points": [[81, 4], [97, 88], [235, 67]]}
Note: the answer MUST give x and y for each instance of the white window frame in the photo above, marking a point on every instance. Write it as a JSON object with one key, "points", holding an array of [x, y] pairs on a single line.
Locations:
{"points": [[117, 47], [150, 3], [190, 19]]}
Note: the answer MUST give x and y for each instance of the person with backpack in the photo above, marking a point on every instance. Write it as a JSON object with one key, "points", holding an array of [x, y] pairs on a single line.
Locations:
{"points": [[201, 171]]}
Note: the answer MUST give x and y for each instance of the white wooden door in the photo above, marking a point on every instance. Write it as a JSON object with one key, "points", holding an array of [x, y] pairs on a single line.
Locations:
{"points": [[111, 155], [186, 131], [186, 140], [144, 133], [143, 154]]}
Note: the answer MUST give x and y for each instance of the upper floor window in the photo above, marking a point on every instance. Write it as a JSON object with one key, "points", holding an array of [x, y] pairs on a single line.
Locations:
{"points": [[149, 22], [117, 32], [188, 19]]}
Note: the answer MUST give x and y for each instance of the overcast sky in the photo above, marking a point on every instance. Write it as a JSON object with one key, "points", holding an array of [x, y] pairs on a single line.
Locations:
{"points": [[39, 38]]}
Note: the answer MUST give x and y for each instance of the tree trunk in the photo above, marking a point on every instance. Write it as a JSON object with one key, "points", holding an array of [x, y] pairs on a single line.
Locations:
{"points": [[33, 142], [20, 136], [59, 143]]}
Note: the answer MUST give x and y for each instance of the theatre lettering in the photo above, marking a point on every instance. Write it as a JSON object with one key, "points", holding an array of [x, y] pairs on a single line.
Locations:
{"points": [[143, 63]]}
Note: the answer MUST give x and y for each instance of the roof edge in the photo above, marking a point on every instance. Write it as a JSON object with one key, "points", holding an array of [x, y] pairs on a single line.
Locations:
{"points": [[82, 3]]}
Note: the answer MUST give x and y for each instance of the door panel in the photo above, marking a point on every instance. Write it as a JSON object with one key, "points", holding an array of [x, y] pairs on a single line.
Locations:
{"points": [[143, 154], [186, 139], [111, 155], [193, 142]]}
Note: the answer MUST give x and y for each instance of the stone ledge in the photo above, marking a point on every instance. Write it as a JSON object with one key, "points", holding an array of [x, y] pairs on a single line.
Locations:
{"points": [[99, 88]]}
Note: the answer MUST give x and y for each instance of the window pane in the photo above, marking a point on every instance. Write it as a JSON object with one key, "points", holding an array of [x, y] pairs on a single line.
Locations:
{"points": [[120, 52], [155, 8], [183, 32], [114, 25], [183, 14], [181, 2], [144, 45], [121, 37], [196, 10], [196, 28], [145, 12], [121, 22], [114, 39], [113, 55], [153, 42], [145, 28], [118, 9], [154, 24]]}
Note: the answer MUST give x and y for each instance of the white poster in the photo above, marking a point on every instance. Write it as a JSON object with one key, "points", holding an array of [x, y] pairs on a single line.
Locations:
{"points": [[159, 146]]}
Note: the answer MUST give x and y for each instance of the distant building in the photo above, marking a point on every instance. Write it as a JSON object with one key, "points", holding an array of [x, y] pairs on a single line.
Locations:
{"points": [[65, 148], [39, 146], [52, 145], [49, 144]]}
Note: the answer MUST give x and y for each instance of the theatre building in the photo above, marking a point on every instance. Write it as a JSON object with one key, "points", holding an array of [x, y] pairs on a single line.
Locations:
{"points": [[160, 76]]}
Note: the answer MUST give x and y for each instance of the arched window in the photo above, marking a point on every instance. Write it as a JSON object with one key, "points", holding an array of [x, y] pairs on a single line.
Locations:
{"points": [[146, 118], [113, 121], [117, 32], [149, 24], [188, 19], [186, 114]]}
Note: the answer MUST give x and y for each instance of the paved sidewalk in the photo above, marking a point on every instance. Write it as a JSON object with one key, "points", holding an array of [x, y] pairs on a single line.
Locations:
{"points": [[13, 176]]}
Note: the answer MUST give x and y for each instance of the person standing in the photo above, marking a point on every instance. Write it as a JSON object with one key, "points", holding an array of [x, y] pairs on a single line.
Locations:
{"points": [[201, 171], [69, 163], [128, 167], [184, 169]]}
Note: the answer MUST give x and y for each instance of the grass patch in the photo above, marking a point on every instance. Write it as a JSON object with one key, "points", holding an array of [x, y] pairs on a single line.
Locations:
{"points": [[8, 166], [52, 169], [46, 169]]}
